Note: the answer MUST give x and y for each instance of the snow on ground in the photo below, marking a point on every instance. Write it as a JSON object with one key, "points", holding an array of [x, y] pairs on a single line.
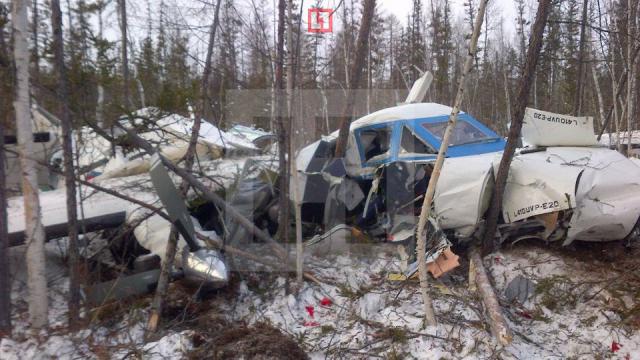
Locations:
{"points": [[580, 309], [571, 313], [583, 306]]}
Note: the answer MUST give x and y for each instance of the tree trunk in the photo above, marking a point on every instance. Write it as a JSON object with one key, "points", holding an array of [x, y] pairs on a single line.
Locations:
{"points": [[499, 326], [172, 242], [35, 259], [126, 100], [281, 130], [100, 106], [430, 317], [69, 170], [5, 279], [596, 84], [294, 133], [577, 107], [355, 73], [631, 30], [535, 44], [36, 43]]}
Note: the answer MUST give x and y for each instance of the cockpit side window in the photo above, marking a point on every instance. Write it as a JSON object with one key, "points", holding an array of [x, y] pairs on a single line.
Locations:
{"points": [[375, 142], [411, 144]]}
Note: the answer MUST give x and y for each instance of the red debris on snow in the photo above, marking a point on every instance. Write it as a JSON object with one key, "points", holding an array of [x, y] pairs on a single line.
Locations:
{"points": [[309, 310], [326, 301], [525, 314], [615, 346]]}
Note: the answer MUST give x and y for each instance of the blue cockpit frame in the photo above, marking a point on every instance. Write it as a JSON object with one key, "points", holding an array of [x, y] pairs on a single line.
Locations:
{"points": [[493, 143]]}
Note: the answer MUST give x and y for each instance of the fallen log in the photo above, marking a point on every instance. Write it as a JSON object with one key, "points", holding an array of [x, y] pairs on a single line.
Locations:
{"points": [[499, 327]]}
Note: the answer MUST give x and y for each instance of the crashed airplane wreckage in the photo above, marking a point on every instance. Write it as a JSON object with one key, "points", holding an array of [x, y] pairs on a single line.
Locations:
{"points": [[132, 234], [562, 185]]}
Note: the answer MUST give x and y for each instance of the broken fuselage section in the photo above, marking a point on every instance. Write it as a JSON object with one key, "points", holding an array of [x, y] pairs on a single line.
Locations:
{"points": [[553, 192]]}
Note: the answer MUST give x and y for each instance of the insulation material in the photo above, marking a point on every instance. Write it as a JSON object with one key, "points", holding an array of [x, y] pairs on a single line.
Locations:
{"points": [[542, 128], [536, 186], [153, 233], [120, 166], [208, 133], [464, 180]]}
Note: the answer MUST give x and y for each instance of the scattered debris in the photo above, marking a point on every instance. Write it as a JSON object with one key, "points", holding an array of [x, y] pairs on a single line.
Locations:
{"points": [[520, 289]]}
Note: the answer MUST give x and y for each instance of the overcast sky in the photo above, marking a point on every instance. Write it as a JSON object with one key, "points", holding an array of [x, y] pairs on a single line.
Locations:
{"points": [[401, 8], [197, 14]]}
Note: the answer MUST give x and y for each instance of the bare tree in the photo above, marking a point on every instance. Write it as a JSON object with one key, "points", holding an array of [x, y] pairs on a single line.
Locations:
{"points": [[69, 170], [281, 129], [293, 133], [435, 174], [5, 280], [535, 44], [122, 7], [36, 41], [577, 107], [631, 68], [355, 73], [34, 238]]}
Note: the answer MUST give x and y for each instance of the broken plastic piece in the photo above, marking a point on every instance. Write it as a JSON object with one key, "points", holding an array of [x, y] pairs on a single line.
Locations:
{"points": [[446, 262]]}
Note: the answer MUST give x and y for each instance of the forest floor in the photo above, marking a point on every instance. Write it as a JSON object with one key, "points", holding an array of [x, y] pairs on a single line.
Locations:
{"points": [[585, 304]]}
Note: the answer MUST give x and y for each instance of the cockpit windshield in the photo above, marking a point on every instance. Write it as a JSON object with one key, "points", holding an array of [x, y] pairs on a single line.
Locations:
{"points": [[464, 132]]}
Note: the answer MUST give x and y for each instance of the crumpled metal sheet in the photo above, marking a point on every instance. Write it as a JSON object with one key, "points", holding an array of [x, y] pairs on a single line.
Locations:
{"points": [[463, 193], [608, 194], [536, 186], [600, 185]]}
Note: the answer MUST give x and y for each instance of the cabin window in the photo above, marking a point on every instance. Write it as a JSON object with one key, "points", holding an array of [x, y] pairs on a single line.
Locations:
{"points": [[375, 143], [463, 133], [411, 144]]}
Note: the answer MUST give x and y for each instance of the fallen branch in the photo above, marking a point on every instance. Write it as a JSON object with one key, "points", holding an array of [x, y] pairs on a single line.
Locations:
{"points": [[499, 326]]}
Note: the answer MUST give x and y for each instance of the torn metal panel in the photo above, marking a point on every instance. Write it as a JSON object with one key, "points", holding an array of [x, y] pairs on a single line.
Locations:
{"points": [[468, 181], [536, 186], [608, 195], [542, 128]]}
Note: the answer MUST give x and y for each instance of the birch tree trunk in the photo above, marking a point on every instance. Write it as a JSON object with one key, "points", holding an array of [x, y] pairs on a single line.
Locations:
{"points": [[172, 242], [430, 317], [631, 30], [5, 280], [355, 73], [69, 171], [596, 84], [122, 8], [34, 238], [535, 44], [294, 132], [577, 107]]}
